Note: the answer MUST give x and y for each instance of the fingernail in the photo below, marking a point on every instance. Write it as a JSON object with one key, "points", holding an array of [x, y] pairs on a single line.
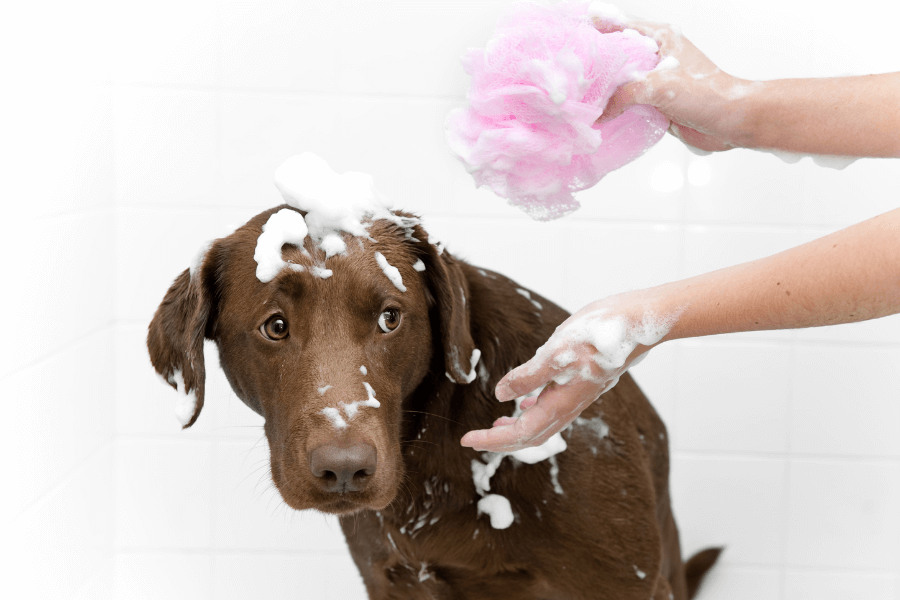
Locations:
{"points": [[503, 392]]}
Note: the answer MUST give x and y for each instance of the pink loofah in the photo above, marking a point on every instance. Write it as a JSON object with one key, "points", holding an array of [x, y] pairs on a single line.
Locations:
{"points": [[529, 132]]}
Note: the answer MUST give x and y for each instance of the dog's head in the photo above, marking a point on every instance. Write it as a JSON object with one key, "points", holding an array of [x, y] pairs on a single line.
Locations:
{"points": [[328, 362]]}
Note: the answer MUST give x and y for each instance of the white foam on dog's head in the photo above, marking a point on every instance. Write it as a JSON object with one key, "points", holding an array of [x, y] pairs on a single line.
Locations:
{"points": [[334, 205]]}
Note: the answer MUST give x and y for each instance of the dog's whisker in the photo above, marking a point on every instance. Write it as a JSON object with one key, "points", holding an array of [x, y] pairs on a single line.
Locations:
{"points": [[422, 412]]}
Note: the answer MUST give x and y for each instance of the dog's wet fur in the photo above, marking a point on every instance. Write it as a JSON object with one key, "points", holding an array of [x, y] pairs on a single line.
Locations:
{"points": [[397, 475]]}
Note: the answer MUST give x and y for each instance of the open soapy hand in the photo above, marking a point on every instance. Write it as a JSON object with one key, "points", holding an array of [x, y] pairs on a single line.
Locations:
{"points": [[584, 358]]}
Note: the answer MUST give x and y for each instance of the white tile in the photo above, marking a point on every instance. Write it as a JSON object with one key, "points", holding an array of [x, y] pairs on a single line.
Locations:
{"points": [[769, 39], [63, 277], [57, 150], [280, 45], [845, 401], [598, 260], [886, 329], [733, 397], [395, 51], [163, 494], [741, 583], [528, 252], [163, 576], [61, 410], [250, 513], [844, 514], [227, 415], [733, 502], [400, 142], [743, 186], [865, 43], [172, 42], [324, 576], [825, 585], [841, 198], [166, 147], [708, 248], [260, 131], [64, 540], [153, 247]]}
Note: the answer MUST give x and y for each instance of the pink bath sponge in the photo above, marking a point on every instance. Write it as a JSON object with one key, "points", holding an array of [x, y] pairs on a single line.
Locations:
{"points": [[529, 132]]}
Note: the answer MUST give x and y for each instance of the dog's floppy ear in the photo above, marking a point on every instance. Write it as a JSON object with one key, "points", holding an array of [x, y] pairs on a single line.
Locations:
{"points": [[176, 333], [447, 284]]}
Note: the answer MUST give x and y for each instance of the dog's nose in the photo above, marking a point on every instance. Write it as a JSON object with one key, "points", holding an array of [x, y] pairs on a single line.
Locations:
{"points": [[342, 469]]}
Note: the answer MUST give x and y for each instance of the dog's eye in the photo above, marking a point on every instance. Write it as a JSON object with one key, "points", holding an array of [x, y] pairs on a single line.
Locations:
{"points": [[276, 328], [389, 320]]}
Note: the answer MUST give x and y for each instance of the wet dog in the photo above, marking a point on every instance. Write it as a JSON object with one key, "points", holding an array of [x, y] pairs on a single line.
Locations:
{"points": [[367, 378]]}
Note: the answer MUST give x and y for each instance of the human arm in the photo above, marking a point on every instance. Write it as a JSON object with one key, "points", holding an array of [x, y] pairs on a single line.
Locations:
{"points": [[712, 110], [848, 276]]}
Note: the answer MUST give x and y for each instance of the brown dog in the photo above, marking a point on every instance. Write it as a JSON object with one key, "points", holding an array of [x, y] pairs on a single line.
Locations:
{"points": [[365, 394]]}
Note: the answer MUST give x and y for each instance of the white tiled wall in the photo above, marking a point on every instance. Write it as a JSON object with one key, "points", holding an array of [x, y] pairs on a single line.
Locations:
{"points": [[136, 132]]}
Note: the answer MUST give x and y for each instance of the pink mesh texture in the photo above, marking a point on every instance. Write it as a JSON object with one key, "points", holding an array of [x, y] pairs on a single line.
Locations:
{"points": [[529, 131]]}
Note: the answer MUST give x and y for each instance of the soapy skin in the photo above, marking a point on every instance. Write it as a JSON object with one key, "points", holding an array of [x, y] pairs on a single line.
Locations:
{"points": [[849, 276], [713, 111]]}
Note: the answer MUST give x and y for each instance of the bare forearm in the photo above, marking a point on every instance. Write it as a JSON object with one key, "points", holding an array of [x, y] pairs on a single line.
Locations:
{"points": [[847, 116], [851, 275]]}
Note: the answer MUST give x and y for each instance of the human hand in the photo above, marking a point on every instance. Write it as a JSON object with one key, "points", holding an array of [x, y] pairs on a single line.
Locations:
{"points": [[583, 358], [705, 105]]}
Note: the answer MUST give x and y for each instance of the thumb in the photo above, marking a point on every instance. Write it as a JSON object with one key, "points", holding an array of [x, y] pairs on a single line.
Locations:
{"points": [[624, 97]]}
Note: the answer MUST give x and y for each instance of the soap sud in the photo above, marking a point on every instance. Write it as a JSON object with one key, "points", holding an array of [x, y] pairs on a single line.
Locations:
{"points": [[390, 272], [823, 160], [186, 405], [457, 368], [324, 389], [601, 12], [638, 572], [334, 415], [363, 370], [529, 131], [352, 407], [612, 337], [334, 204], [419, 265], [499, 510], [284, 227], [320, 272], [483, 470], [197, 261], [527, 294], [667, 64]]}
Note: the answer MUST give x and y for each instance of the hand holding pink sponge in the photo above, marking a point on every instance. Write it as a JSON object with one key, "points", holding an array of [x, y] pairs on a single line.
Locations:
{"points": [[530, 131]]}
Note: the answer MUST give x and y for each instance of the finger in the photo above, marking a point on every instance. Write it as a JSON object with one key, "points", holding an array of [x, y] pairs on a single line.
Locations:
{"points": [[623, 98], [607, 18], [503, 421], [523, 379], [556, 408], [694, 138]]}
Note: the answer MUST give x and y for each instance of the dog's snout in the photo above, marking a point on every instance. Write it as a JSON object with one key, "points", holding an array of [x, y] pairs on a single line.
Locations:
{"points": [[342, 469]]}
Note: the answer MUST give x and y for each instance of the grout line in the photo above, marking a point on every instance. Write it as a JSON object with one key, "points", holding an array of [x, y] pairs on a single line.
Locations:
{"points": [[110, 324], [786, 509], [108, 441], [787, 455]]}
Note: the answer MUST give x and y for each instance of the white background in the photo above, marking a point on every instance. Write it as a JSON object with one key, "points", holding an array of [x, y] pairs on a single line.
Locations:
{"points": [[135, 131]]}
